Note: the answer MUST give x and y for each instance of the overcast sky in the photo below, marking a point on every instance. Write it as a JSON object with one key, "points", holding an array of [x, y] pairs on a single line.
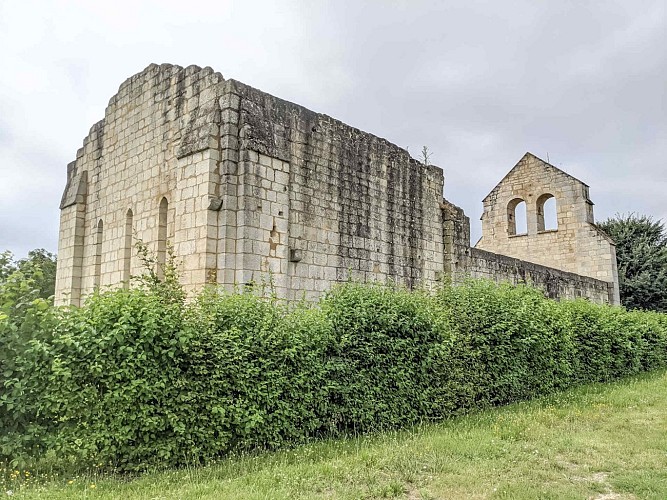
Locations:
{"points": [[479, 83]]}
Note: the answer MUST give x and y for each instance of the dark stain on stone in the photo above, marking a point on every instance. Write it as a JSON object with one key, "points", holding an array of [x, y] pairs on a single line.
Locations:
{"points": [[179, 96], [393, 177], [415, 222], [342, 173]]}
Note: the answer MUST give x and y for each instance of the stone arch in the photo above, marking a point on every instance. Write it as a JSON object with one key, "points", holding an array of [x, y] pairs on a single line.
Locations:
{"points": [[99, 238], [547, 219], [516, 217], [127, 247]]}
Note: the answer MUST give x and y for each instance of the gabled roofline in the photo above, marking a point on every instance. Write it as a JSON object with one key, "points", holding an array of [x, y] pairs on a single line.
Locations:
{"points": [[527, 154], [603, 233]]}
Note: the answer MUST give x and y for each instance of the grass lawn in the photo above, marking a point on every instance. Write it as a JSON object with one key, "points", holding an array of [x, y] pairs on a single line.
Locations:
{"points": [[604, 441]]}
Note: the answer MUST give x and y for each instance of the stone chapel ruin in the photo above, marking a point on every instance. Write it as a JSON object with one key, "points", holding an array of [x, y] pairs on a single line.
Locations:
{"points": [[245, 185]]}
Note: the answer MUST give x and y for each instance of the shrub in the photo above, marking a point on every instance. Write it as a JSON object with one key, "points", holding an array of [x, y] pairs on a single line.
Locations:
{"points": [[507, 343], [114, 377], [378, 361], [253, 374], [139, 377], [25, 318]]}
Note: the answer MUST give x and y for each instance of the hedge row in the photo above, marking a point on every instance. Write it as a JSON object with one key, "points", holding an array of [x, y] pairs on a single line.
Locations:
{"points": [[139, 378]]}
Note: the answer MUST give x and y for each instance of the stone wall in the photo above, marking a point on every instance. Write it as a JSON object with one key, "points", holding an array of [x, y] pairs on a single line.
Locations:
{"points": [[127, 165], [466, 262], [247, 188], [252, 188], [555, 284], [323, 201], [576, 245]]}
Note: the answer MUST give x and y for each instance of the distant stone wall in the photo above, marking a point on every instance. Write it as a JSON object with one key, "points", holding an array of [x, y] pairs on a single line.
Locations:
{"points": [[466, 262], [555, 284], [575, 244]]}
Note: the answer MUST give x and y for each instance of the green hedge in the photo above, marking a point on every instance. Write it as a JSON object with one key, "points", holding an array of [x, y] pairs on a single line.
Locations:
{"points": [[140, 378]]}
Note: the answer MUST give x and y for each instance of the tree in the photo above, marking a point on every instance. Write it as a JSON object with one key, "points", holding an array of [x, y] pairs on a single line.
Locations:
{"points": [[40, 266], [641, 252], [7, 265], [36, 274], [26, 319]]}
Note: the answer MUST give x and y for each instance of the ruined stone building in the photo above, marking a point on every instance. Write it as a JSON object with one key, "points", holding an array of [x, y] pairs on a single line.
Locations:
{"points": [[244, 185], [574, 243]]}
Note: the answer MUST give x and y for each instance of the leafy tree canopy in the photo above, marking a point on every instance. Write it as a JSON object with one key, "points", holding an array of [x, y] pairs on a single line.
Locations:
{"points": [[33, 277], [641, 251]]}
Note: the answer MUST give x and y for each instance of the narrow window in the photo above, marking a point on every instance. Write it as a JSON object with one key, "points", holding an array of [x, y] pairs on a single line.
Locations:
{"points": [[127, 249], [78, 251], [162, 235], [516, 217], [98, 253], [547, 219]]}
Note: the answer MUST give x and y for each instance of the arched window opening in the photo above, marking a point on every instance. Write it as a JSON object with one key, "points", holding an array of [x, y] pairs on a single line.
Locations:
{"points": [[127, 248], [516, 217], [98, 253], [547, 219], [162, 235]]}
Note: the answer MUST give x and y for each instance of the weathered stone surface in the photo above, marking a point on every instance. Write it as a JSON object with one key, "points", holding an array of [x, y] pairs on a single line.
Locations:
{"points": [[577, 245], [75, 189], [247, 186]]}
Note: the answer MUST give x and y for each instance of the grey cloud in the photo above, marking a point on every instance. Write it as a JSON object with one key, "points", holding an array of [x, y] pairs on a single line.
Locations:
{"points": [[478, 82]]}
